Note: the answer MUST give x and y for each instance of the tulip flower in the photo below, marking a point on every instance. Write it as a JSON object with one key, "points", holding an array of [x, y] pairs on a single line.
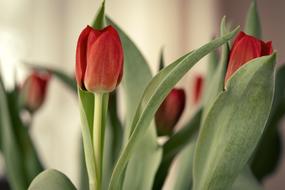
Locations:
{"points": [[99, 60], [33, 91], [244, 49], [170, 111], [198, 87]]}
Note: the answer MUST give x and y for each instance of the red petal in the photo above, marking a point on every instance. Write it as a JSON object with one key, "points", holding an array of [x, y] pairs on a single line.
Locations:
{"points": [[104, 62], [81, 51], [267, 48], [244, 50], [238, 38]]}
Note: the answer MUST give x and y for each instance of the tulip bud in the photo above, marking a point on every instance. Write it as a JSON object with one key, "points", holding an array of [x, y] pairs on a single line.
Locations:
{"points": [[198, 87], [33, 91], [99, 59], [170, 111], [244, 49]]}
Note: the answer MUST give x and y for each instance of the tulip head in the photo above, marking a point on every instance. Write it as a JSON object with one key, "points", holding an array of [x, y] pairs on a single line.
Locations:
{"points": [[33, 91], [198, 87], [99, 60], [244, 49], [170, 111]]}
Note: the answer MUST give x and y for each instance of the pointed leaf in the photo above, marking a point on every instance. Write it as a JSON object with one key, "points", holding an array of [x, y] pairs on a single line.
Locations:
{"points": [[234, 125], [252, 24]]}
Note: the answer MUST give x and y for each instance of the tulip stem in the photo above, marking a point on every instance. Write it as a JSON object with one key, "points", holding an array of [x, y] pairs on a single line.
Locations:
{"points": [[98, 136]]}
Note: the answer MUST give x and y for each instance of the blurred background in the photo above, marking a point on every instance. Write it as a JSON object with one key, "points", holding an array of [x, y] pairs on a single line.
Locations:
{"points": [[45, 32]]}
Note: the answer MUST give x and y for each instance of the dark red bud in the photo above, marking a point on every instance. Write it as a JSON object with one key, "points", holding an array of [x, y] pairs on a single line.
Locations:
{"points": [[170, 111], [34, 89]]}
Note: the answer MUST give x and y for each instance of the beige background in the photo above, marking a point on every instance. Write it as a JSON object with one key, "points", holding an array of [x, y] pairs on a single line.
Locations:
{"points": [[46, 31]]}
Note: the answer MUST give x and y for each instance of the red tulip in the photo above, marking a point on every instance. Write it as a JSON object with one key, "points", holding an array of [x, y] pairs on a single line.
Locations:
{"points": [[34, 90], [198, 87], [244, 49], [99, 59], [170, 111]]}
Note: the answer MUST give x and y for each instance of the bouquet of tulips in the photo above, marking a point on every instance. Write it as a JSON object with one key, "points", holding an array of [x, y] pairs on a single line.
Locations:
{"points": [[230, 142]]}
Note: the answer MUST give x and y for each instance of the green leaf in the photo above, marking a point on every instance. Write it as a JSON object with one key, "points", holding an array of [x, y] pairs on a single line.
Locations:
{"points": [[63, 77], [135, 79], [100, 20], [86, 102], [145, 160], [184, 178], [136, 76], [28, 152], [51, 180], [84, 184], [11, 151], [246, 181], [161, 60], [173, 146], [153, 96], [268, 152], [216, 84], [252, 24], [234, 125]]}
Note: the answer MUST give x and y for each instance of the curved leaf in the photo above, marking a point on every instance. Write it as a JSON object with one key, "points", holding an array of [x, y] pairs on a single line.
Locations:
{"points": [[51, 180], [268, 152], [234, 125], [153, 96]]}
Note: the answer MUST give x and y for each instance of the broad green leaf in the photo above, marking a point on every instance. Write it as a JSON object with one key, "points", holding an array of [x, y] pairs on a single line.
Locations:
{"points": [[136, 76], [51, 180], [268, 152], [252, 24], [184, 173], [246, 181], [141, 176], [11, 151], [234, 125], [173, 147], [153, 96], [66, 79]]}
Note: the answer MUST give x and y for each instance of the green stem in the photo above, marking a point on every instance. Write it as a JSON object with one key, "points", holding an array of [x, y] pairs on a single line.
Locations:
{"points": [[98, 139]]}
